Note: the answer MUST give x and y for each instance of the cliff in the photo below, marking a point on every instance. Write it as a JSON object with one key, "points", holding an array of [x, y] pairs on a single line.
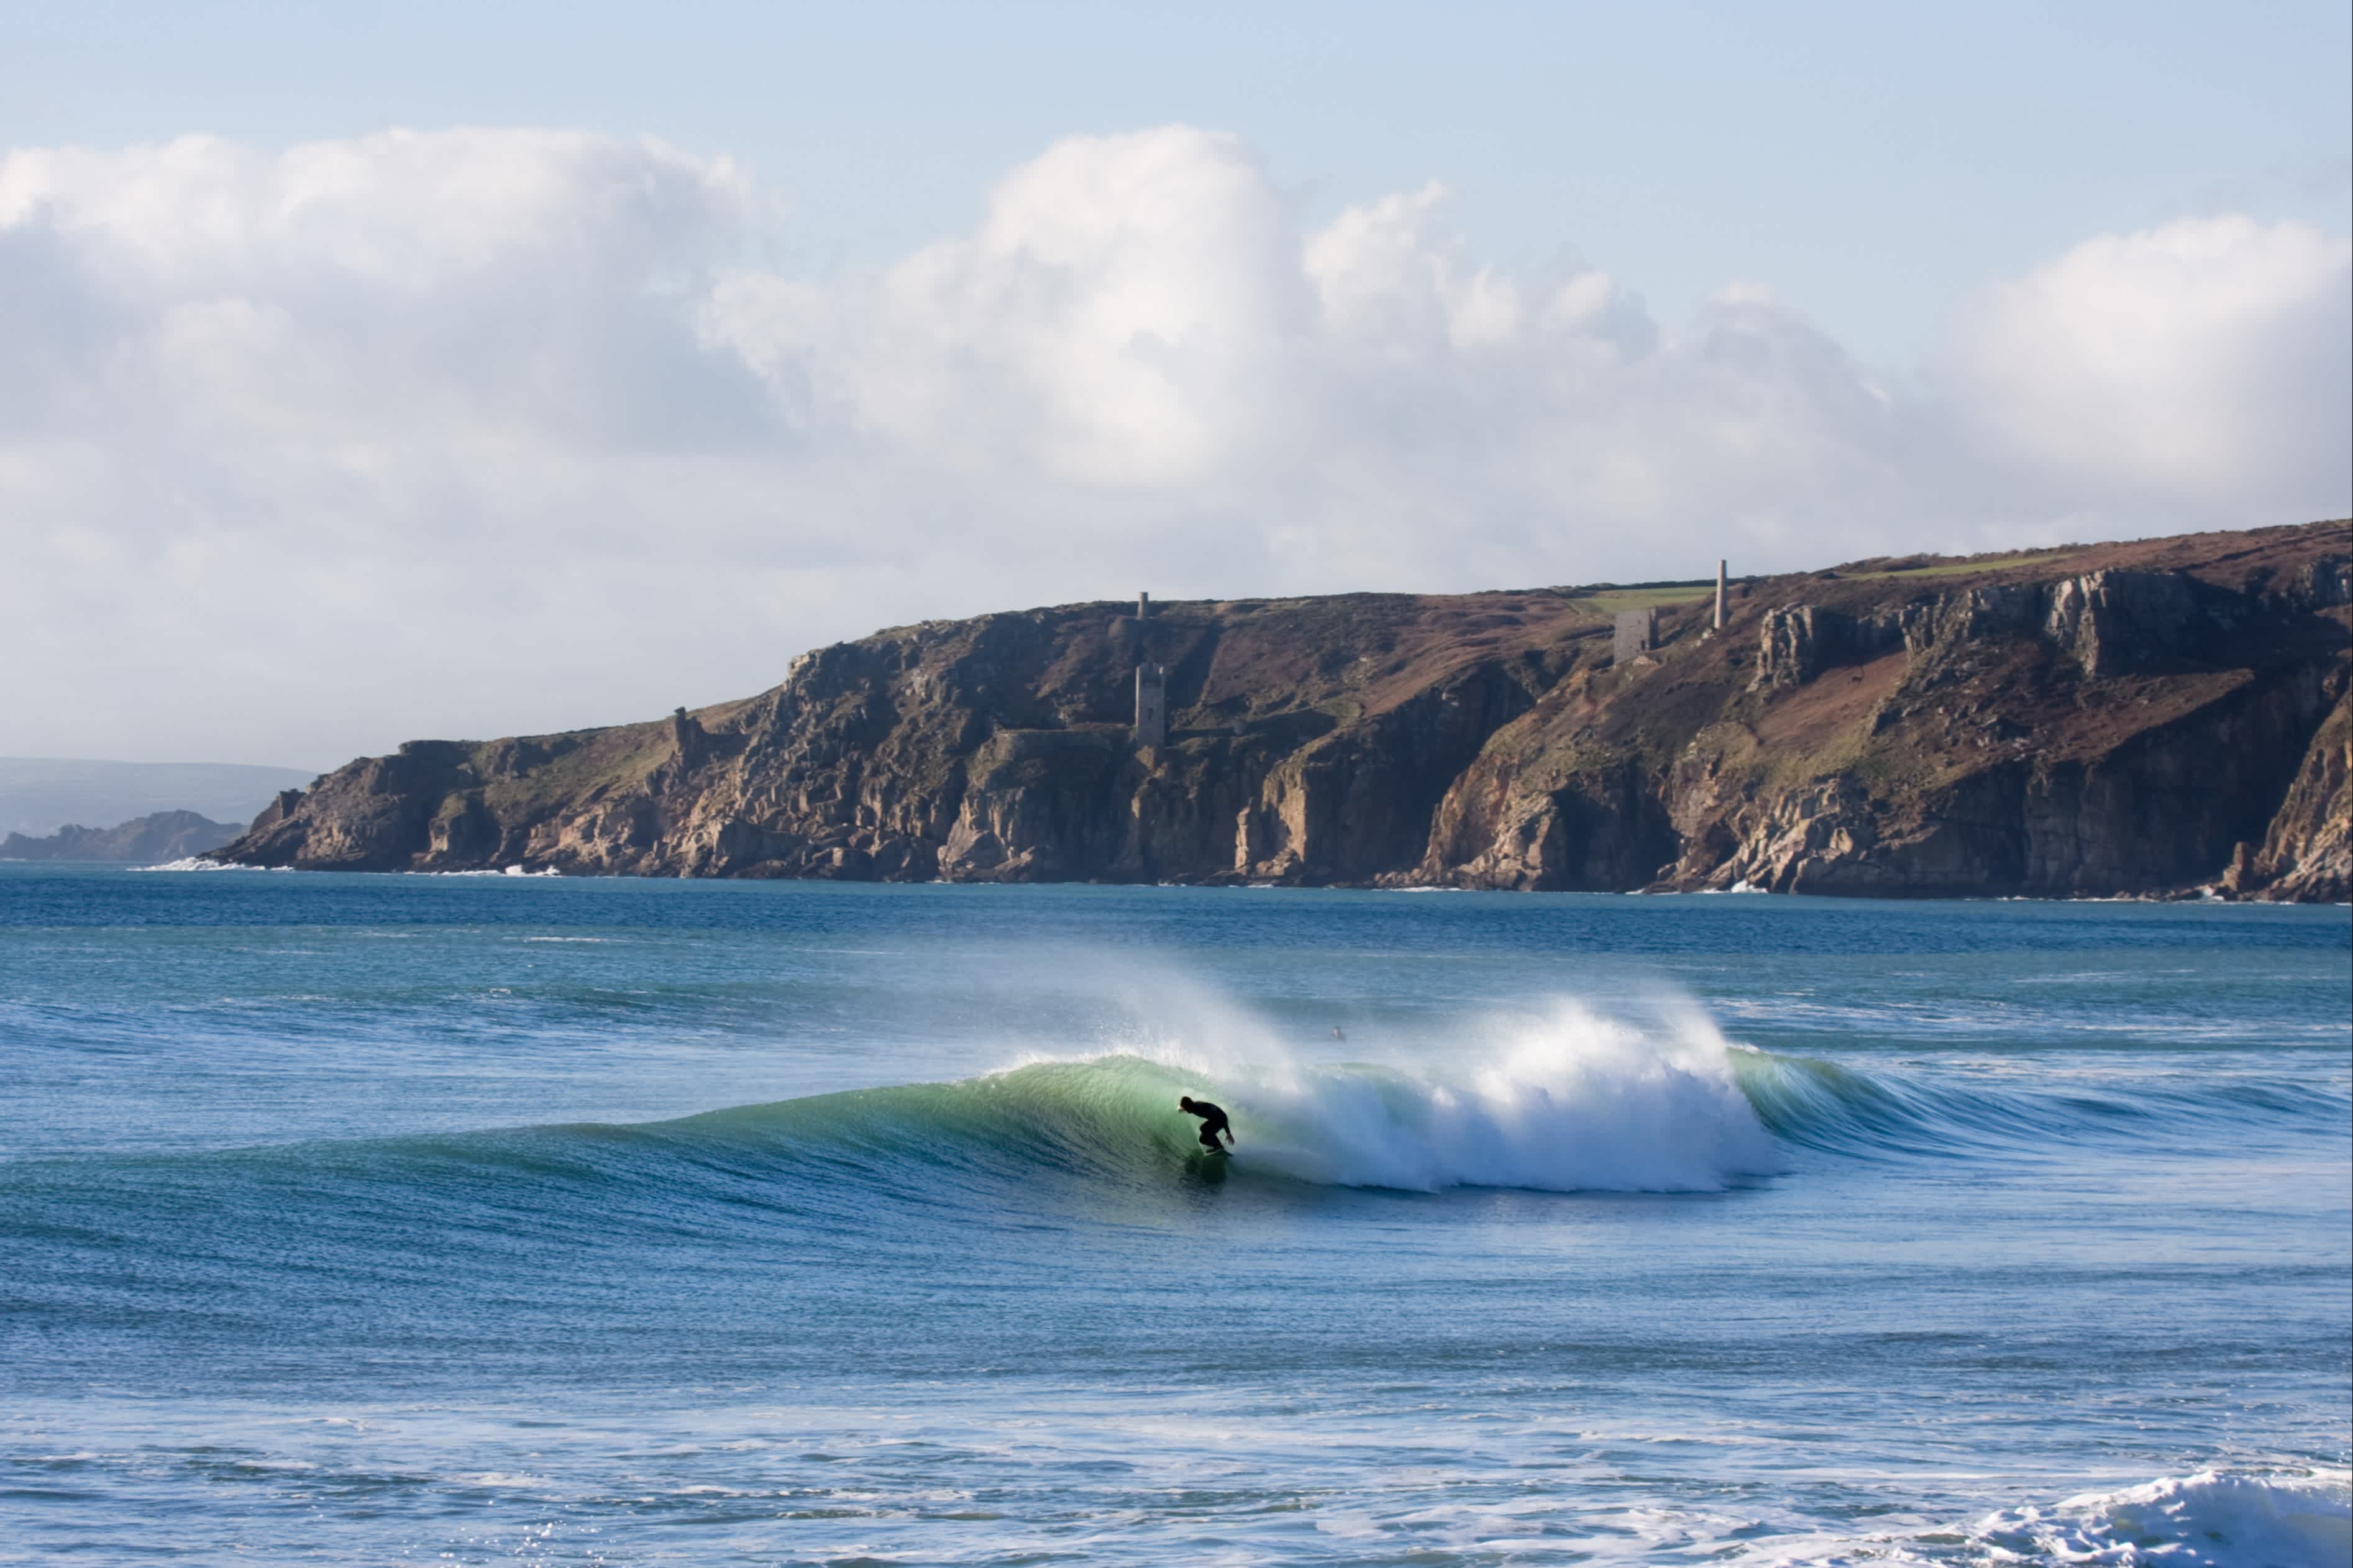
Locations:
{"points": [[159, 836], [2145, 717]]}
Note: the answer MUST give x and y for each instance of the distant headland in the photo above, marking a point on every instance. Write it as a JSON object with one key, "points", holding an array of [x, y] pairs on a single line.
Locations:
{"points": [[159, 836], [2158, 718], [39, 795]]}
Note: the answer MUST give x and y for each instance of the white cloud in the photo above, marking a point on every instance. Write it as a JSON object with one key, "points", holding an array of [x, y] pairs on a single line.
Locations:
{"points": [[1116, 321], [2200, 368], [480, 430]]}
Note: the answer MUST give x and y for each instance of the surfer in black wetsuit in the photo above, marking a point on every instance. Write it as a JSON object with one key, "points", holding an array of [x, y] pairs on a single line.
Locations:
{"points": [[1213, 1121]]}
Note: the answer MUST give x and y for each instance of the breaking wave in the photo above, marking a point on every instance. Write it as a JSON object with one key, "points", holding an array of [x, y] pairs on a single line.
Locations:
{"points": [[2217, 1518], [1573, 1101], [2212, 1518], [1579, 1104]]}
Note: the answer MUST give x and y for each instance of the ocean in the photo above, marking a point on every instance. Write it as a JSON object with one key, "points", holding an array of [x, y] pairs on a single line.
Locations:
{"points": [[369, 1219]]}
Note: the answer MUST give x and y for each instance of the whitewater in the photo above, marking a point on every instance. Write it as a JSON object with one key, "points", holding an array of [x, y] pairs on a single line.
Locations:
{"points": [[367, 1219]]}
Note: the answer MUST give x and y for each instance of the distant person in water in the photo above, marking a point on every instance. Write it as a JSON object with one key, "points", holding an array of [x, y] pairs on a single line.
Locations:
{"points": [[1213, 1121]]}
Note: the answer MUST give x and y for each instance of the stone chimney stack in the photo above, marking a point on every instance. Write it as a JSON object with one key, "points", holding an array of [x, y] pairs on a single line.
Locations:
{"points": [[1151, 705], [1719, 595], [687, 735], [1144, 606]]}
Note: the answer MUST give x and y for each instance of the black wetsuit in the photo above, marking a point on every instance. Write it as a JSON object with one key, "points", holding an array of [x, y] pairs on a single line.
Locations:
{"points": [[1213, 1121]]}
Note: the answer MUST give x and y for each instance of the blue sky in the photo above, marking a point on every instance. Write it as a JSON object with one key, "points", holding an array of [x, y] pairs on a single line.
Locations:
{"points": [[379, 371], [1867, 162]]}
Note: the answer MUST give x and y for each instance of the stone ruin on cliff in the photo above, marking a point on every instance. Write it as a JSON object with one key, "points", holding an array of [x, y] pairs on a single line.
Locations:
{"points": [[1637, 634]]}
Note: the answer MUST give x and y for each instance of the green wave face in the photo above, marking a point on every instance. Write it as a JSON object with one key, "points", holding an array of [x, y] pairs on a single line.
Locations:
{"points": [[1110, 1115], [1629, 1117]]}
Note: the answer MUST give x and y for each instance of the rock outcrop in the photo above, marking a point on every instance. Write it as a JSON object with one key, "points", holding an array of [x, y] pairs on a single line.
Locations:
{"points": [[2308, 854], [2148, 718]]}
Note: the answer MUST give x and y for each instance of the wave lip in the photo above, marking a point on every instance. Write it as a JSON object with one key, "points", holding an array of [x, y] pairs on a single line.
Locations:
{"points": [[1579, 1103]]}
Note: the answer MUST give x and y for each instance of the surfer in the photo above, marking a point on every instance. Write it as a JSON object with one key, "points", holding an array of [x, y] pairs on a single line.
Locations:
{"points": [[1213, 1121]]}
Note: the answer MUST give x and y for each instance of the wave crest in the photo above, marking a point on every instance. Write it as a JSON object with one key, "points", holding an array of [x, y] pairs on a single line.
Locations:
{"points": [[1579, 1103]]}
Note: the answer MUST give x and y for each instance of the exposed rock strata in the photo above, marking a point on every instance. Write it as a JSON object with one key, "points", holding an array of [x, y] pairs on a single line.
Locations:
{"points": [[2148, 718], [2308, 854]]}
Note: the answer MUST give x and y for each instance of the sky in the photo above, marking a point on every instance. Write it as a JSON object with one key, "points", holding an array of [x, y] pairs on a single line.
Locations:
{"points": [[374, 372]]}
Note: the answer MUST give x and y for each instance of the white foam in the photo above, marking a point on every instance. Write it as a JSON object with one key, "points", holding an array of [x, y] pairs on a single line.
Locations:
{"points": [[1578, 1101], [2278, 1521], [197, 863], [2214, 1518]]}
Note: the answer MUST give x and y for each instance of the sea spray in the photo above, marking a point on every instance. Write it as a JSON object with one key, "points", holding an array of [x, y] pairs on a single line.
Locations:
{"points": [[1576, 1101]]}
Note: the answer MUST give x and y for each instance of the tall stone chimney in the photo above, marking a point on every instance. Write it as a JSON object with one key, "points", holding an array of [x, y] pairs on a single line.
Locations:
{"points": [[1144, 606], [1151, 705], [1719, 595], [687, 735]]}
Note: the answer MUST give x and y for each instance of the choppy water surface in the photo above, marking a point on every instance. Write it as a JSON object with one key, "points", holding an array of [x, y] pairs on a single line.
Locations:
{"points": [[365, 1219]]}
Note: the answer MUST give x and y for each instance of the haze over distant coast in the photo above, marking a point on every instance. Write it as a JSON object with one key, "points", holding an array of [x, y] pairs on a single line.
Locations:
{"points": [[39, 796], [159, 836]]}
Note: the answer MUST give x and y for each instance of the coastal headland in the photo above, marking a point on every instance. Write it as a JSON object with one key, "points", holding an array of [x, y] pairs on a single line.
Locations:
{"points": [[158, 836], [2156, 718]]}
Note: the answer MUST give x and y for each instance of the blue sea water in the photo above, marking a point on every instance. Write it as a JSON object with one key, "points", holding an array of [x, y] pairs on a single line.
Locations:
{"points": [[377, 1220]]}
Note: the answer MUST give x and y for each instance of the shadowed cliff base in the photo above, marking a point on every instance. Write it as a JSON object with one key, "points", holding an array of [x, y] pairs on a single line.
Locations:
{"points": [[2158, 717]]}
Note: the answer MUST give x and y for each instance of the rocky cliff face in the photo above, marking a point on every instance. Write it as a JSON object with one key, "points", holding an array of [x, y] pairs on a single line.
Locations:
{"points": [[2145, 718], [2305, 854]]}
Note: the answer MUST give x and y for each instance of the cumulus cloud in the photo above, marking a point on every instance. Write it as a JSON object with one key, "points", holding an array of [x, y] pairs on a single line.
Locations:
{"points": [[1113, 322], [2197, 369], [474, 431]]}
